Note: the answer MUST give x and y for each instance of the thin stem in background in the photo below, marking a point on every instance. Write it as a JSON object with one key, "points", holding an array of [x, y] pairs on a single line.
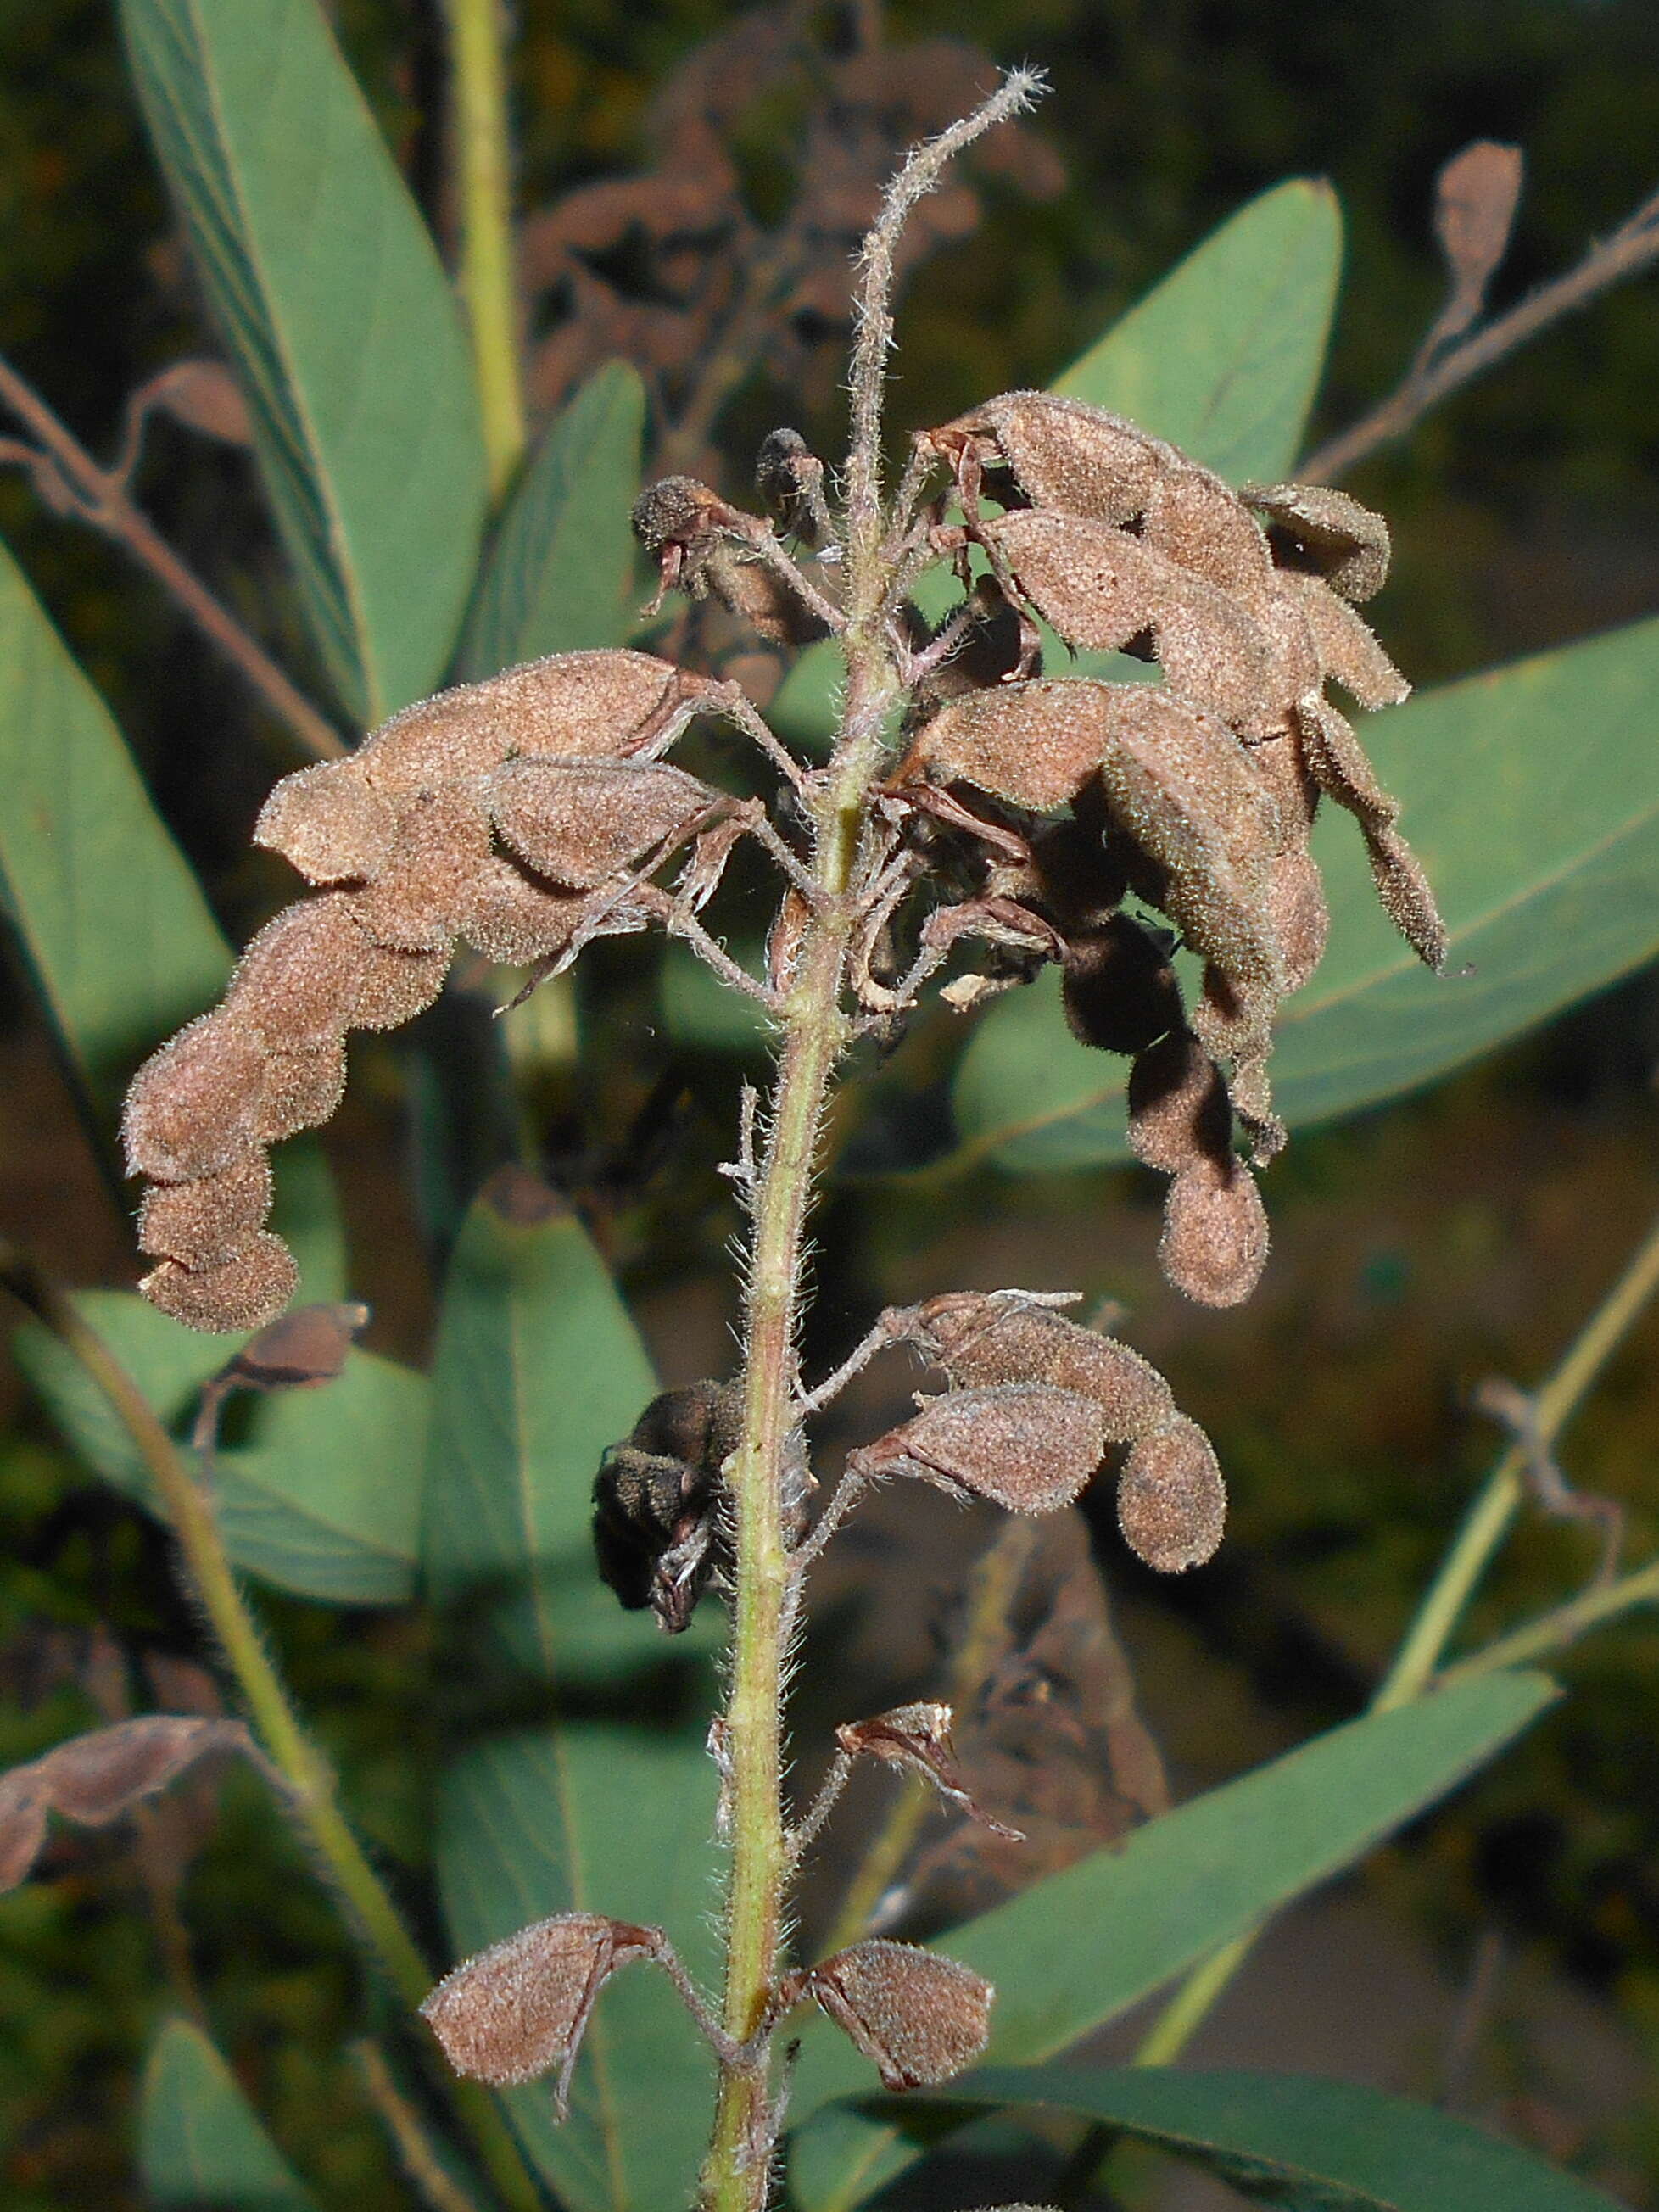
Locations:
{"points": [[1630, 248], [1414, 1671], [101, 497], [483, 165], [310, 1788]]}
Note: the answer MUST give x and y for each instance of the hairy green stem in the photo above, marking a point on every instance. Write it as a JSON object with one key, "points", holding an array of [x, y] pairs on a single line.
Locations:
{"points": [[483, 160], [309, 1782], [1416, 1666]]}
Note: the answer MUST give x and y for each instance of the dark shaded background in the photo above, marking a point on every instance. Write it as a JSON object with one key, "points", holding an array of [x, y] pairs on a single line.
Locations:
{"points": [[1418, 1249]]}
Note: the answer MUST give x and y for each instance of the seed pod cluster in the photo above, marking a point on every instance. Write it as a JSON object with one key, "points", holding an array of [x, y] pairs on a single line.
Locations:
{"points": [[507, 815], [1194, 797], [1171, 1498]]}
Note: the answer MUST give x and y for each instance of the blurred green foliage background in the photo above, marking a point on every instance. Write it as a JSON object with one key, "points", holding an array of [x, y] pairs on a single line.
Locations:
{"points": [[1460, 1235]]}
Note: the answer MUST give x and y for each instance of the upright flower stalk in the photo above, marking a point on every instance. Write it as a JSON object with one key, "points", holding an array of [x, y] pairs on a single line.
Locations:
{"points": [[975, 815]]}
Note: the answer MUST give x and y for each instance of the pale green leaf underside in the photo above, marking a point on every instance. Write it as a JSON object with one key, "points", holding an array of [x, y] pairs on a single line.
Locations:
{"points": [[324, 1499], [1223, 358], [115, 931], [598, 1820], [326, 289], [1079, 1948], [1531, 794], [200, 2142], [539, 1368], [1311, 2145], [561, 574]]}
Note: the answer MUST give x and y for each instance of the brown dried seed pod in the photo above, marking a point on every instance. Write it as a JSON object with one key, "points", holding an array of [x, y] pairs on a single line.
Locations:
{"points": [[299, 1089], [594, 704], [919, 2018], [515, 920], [304, 1349], [397, 985], [301, 977], [756, 594], [1034, 745], [1119, 991], [519, 2008], [1347, 646], [1026, 1446], [1214, 1244], [1178, 1106], [204, 1223], [329, 823], [1337, 762], [1199, 523], [980, 1339], [1326, 531], [191, 1109], [581, 823], [443, 841], [1301, 917], [1171, 1499], [1063, 453], [1232, 1022], [98, 1777], [243, 1292], [1407, 896], [1278, 765], [1101, 587]]}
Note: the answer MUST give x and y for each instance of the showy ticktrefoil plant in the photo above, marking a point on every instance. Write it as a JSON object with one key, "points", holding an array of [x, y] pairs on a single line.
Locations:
{"points": [[976, 819]]}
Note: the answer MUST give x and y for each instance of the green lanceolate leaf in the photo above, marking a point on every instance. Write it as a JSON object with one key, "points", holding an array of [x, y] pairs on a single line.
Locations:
{"points": [[325, 1496], [539, 1368], [328, 294], [559, 576], [598, 1820], [1531, 795], [1224, 356], [114, 930], [200, 2142], [1286, 2139], [1078, 1948]]}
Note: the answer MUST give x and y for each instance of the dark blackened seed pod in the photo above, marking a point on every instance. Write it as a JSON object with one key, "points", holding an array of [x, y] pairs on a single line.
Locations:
{"points": [[1120, 991], [243, 1292], [520, 2007], [1178, 1108], [515, 920], [918, 2017], [299, 1089], [581, 823], [329, 823], [1348, 647], [1214, 1244], [1026, 1446], [204, 1222], [1326, 532], [443, 841], [191, 1108], [397, 986], [981, 1339], [300, 979], [1171, 1500], [592, 705]]}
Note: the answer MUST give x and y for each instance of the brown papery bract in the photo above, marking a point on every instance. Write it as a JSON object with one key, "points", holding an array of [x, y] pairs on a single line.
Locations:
{"points": [[191, 1108], [300, 981], [242, 1292], [581, 823], [919, 2018], [1026, 1446], [1214, 1244], [1171, 1500], [329, 823], [204, 1222]]}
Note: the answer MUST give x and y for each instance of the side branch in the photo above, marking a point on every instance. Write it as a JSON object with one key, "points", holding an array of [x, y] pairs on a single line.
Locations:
{"points": [[71, 482], [1435, 375]]}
